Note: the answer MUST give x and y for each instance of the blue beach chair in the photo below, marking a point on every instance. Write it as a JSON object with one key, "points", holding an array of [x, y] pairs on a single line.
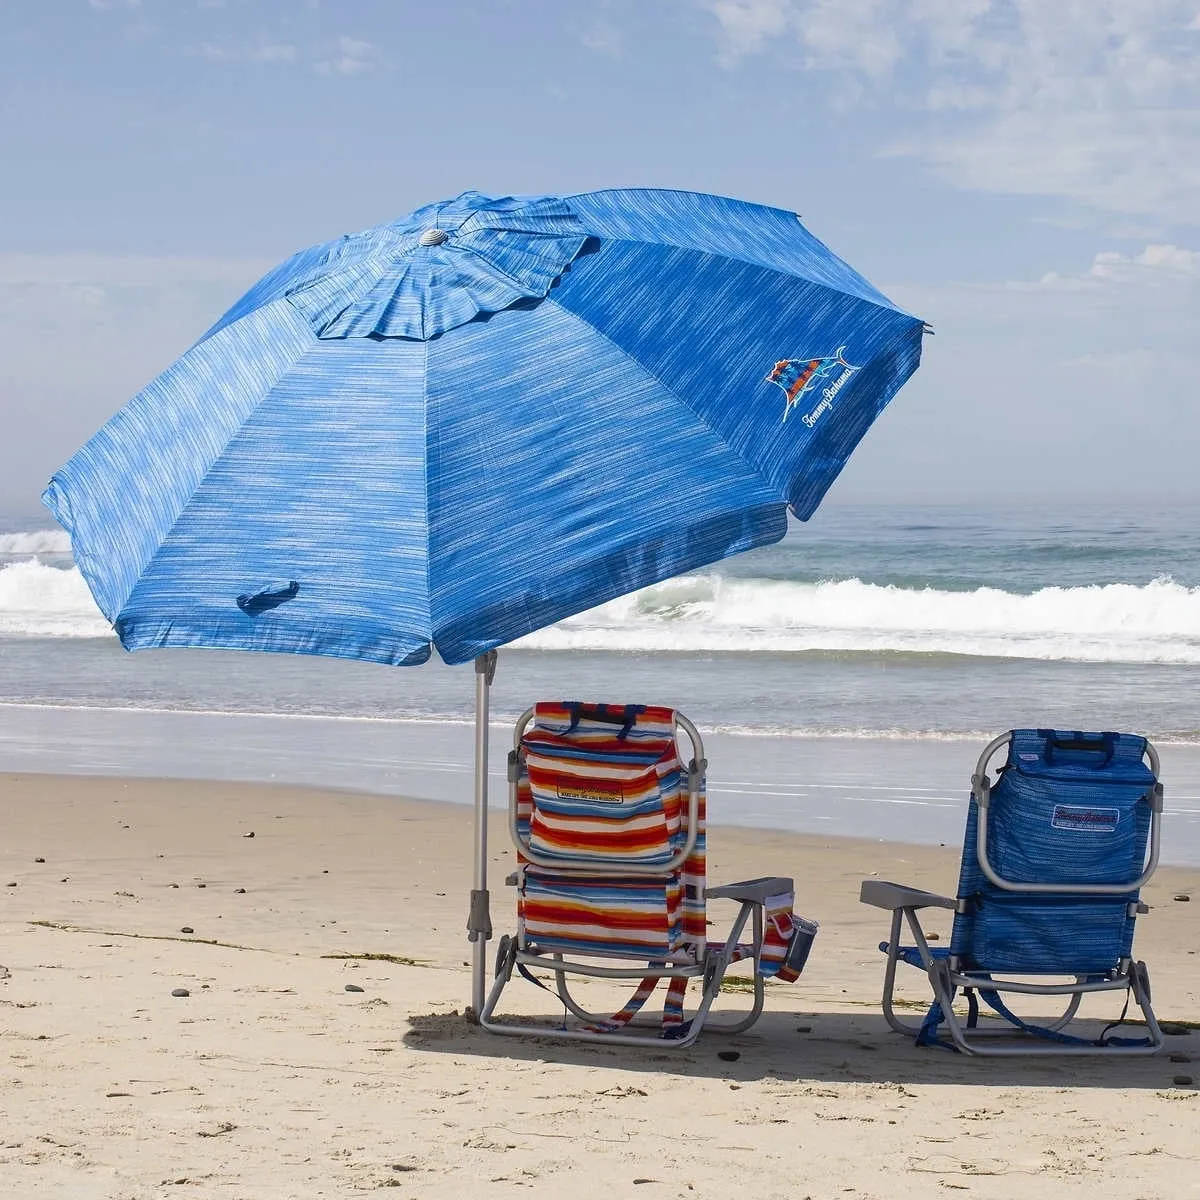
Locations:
{"points": [[1054, 856]]}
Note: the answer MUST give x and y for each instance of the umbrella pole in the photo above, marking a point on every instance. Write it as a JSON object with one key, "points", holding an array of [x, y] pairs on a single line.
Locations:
{"points": [[479, 922]]}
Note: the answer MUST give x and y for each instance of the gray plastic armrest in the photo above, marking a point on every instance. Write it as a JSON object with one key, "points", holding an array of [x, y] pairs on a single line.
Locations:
{"points": [[892, 896], [754, 890]]}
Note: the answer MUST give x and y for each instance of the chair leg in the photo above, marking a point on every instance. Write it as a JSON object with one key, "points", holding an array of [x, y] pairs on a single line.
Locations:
{"points": [[506, 957], [1140, 983], [889, 977], [712, 978], [564, 994], [1068, 1016], [591, 1018], [725, 961]]}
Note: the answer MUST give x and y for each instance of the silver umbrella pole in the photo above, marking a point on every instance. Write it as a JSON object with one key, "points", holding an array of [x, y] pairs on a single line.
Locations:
{"points": [[479, 922]]}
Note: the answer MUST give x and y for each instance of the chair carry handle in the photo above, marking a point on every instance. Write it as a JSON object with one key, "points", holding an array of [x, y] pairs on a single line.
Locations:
{"points": [[625, 716], [1104, 743]]}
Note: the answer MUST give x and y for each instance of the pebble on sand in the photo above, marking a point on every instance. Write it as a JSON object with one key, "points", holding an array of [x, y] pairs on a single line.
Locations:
{"points": [[186, 929], [180, 992], [353, 987]]}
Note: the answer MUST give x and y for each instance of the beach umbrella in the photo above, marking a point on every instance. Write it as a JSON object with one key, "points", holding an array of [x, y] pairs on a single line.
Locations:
{"points": [[464, 425]]}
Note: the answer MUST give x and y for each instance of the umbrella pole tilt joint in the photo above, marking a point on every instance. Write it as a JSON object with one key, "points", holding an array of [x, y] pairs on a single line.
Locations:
{"points": [[479, 920]]}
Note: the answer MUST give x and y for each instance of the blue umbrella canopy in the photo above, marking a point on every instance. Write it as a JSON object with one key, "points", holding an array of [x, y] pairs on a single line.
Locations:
{"points": [[459, 427]]}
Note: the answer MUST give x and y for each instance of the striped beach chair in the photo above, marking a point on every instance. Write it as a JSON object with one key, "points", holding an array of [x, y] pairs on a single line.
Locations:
{"points": [[1056, 850], [609, 827]]}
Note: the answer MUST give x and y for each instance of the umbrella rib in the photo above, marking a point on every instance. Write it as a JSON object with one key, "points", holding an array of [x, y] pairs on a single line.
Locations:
{"points": [[667, 240], [212, 464], [673, 394]]}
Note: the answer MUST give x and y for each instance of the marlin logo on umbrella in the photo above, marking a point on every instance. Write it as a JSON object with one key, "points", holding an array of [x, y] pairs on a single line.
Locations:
{"points": [[798, 376]]}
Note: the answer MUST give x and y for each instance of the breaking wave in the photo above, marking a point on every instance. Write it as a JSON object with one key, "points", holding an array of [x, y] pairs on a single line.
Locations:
{"points": [[40, 541], [1157, 622], [37, 600]]}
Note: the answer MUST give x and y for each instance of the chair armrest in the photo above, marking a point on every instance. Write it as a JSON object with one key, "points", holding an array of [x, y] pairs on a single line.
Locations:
{"points": [[753, 890], [882, 894]]}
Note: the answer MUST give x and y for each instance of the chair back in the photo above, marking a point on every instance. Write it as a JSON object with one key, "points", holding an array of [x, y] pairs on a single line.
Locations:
{"points": [[602, 804], [1070, 811]]}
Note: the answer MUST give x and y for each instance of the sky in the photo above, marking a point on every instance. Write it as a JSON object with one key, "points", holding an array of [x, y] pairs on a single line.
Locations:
{"points": [[1023, 174]]}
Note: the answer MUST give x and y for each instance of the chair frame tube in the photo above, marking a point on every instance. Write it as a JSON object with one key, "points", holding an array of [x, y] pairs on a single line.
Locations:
{"points": [[981, 787], [695, 775], [713, 970]]}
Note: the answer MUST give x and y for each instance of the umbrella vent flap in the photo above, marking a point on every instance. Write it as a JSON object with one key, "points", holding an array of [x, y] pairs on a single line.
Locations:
{"points": [[439, 269]]}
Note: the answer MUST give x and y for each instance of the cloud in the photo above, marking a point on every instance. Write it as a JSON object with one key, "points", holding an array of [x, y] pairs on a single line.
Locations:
{"points": [[352, 56], [127, 270], [1094, 101], [604, 38], [80, 334], [347, 55], [1155, 257], [748, 24], [1156, 267], [264, 52], [1080, 384]]}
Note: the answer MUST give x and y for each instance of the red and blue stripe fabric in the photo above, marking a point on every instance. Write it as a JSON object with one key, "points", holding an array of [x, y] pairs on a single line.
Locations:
{"points": [[595, 795]]}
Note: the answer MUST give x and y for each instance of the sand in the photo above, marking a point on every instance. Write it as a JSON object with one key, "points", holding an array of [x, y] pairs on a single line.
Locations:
{"points": [[270, 1079]]}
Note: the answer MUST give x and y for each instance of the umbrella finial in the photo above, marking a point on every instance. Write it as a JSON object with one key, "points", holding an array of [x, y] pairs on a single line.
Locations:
{"points": [[432, 237]]}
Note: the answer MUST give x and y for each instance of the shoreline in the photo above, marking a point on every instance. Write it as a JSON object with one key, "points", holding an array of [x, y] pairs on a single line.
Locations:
{"points": [[405, 808], [977, 738], [903, 790]]}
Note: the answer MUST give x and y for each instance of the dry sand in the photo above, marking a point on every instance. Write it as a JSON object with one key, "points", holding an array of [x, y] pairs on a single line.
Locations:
{"points": [[271, 1080]]}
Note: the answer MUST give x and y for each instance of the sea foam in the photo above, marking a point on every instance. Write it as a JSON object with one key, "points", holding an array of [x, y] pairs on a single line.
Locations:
{"points": [[38, 541], [1157, 622], [37, 600]]}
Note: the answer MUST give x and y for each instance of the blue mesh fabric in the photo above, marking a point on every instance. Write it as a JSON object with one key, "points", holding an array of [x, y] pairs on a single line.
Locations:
{"points": [[1064, 816]]}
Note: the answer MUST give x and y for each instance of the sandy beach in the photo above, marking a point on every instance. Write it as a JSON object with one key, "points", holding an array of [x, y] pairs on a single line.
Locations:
{"points": [[271, 1079]]}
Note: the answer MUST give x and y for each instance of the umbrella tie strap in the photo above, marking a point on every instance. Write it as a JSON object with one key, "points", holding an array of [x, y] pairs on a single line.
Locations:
{"points": [[479, 919]]}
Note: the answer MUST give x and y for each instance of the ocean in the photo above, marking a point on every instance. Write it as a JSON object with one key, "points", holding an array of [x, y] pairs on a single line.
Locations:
{"points": [[844, 680]]}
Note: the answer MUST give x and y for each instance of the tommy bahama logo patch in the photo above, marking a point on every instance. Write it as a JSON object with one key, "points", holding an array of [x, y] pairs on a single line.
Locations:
{"points": [[799, 376], [1094, 820], [596, 791]]}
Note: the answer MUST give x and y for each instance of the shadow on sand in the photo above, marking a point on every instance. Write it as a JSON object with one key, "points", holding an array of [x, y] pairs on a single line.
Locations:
{"points": [[815, 1047]]}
